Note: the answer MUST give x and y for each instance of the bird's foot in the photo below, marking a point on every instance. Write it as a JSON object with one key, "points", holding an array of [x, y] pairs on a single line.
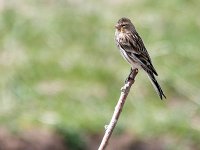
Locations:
{"points": [[129, 76]]}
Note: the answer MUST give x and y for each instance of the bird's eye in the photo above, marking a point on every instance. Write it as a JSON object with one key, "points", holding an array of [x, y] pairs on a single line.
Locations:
{"points": [[123, 25]]}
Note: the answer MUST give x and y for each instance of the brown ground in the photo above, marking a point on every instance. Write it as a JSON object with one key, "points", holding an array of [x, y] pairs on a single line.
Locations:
{"points": [[38, 139]]}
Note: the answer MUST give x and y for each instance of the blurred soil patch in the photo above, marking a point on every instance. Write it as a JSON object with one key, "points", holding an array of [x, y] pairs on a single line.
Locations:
{"points": [[40, 139], [126, 142], [31, 140]]}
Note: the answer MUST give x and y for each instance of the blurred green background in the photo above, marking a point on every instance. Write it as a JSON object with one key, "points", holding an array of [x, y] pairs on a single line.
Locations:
{"points": [[61, 71]]}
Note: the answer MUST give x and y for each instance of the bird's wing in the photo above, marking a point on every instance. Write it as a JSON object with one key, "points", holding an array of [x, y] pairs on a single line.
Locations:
{"points": [[130, 45], [137, 51]]}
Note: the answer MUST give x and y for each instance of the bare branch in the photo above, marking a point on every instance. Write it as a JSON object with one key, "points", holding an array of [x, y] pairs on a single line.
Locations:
{"points": [[118, 109]]}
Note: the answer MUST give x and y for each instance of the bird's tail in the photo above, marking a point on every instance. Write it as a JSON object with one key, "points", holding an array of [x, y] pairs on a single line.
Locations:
{"points": [[156, 85]]}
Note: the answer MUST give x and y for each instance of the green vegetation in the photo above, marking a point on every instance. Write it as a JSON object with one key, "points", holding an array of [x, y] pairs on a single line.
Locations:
{"points": [[59, 66]]}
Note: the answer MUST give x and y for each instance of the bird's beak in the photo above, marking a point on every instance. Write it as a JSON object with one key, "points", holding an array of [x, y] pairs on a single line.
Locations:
{"points": [[117, 26]]}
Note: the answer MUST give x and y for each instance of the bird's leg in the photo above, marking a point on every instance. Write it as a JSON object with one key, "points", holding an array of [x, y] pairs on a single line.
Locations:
{"points": [[129, 76]]}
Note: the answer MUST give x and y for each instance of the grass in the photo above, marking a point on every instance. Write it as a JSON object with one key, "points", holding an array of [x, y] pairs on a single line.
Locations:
{"points": [[59, 66]]}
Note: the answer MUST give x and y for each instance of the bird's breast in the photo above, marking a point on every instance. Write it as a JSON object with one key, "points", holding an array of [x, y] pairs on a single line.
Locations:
{"points": [[120, 37]]}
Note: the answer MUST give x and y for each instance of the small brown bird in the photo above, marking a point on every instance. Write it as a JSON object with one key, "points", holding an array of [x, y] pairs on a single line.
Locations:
{"points": [[133, 50]]}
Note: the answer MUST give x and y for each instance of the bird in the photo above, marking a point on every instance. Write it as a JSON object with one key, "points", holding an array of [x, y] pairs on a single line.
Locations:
{"points": [[133, 50]]}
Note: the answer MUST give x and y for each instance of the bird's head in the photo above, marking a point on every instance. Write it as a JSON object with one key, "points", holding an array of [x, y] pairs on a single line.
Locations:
{"points": [[124, 25]]}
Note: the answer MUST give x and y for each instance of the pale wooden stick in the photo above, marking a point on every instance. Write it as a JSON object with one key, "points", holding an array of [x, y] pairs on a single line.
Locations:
{"points": [[118, 109]]}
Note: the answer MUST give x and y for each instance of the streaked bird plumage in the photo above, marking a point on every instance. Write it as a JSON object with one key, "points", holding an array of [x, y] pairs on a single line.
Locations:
{"points": [[133, 50]]}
